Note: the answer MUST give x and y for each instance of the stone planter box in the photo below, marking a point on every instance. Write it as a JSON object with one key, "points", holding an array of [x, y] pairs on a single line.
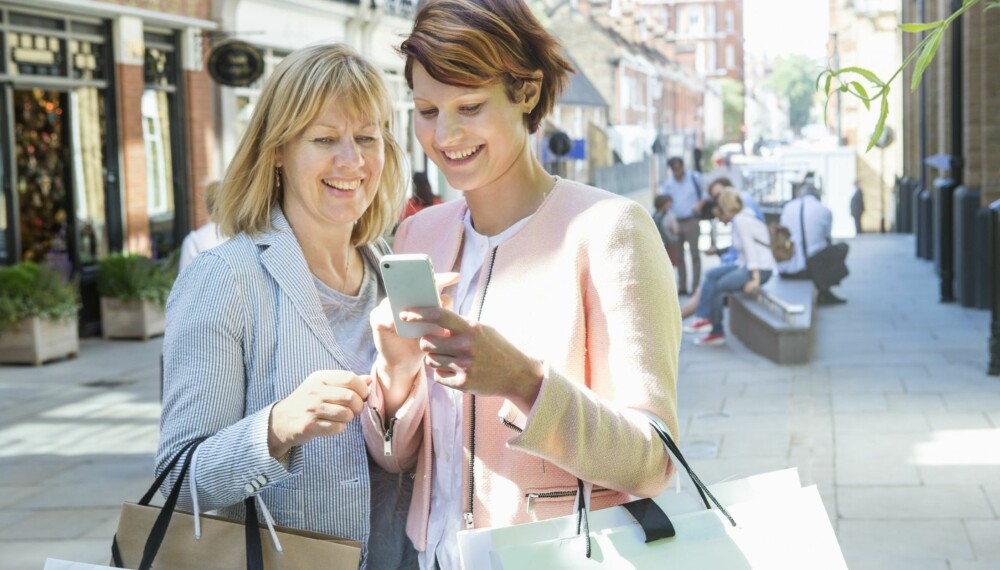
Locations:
{"points": [[131, 319], [34, 341]]}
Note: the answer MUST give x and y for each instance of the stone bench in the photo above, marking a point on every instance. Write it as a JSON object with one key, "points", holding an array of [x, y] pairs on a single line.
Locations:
{"points": [[777, 322]]}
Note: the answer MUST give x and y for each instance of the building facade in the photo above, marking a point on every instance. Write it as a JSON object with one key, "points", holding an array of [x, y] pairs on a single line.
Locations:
{"points": [[112, 127]]}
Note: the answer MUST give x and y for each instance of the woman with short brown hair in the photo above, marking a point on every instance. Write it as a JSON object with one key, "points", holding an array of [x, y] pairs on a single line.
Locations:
{"points": [[561, 343]]}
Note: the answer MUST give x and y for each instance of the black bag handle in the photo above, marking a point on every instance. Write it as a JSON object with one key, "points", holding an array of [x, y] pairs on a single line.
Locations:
{"points": [[654, 522], [254, 550]]}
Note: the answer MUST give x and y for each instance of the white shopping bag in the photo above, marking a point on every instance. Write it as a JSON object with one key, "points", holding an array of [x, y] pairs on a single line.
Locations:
{"points": [[476, 545], [56, 564], [785, 531]]}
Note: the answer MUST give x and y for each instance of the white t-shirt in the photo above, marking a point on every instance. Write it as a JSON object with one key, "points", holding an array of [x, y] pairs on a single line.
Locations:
{"points": [[447, 500], [205, 237]]}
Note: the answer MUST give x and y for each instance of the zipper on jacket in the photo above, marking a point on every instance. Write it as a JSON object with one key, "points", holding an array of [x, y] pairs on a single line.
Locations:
{"points": [[510, 425], [387, 441], [472, 408]]}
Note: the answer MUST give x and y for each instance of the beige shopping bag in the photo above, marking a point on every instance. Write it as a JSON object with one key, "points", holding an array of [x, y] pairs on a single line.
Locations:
{"points": [[151, 537], [222, 545]]}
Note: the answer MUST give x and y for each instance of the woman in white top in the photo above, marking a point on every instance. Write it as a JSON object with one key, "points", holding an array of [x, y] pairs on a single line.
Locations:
{"points": [[754, 266]]}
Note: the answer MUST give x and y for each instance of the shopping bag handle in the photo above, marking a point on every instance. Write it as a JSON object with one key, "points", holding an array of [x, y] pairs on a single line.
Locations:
{"points": [[706, 495], [654, 522], [254, 550]]}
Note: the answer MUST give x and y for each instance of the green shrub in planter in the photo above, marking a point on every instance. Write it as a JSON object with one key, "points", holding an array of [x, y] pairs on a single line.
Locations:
{"points": [[131, 277], [31, 290]]}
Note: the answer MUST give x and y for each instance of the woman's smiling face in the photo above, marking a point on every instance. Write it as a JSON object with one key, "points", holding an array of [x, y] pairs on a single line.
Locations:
{"points": [[331, 171], [474, 135]]}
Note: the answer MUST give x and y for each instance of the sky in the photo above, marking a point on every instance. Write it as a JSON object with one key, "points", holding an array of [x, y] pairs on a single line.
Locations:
{"points": [[783, 27]]}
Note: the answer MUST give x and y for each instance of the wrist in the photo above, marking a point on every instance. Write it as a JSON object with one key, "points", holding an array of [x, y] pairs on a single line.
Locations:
{"points": [[275, 446], [529, 387]]}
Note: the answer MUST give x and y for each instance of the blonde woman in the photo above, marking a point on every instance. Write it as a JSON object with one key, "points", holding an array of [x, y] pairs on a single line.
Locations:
{"points": [[564, 332], [753, 267], [267, 336]]}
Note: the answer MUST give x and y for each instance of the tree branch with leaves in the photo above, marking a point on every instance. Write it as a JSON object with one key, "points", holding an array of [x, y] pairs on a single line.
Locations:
{"points": [[850, 80]]}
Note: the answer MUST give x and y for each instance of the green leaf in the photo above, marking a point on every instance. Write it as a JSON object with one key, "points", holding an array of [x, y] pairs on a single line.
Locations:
{"points": [[918, 27], [926, 56], [992, 5], [826, 88], [880, 125], [866, 73], [862, 93]]}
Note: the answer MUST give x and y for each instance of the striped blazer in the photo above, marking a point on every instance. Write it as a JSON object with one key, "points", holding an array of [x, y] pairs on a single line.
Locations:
{"points": [[244, 329]]}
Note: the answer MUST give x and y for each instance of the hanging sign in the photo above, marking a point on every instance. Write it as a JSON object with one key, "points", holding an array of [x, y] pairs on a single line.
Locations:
{"points": [[235, 63]]}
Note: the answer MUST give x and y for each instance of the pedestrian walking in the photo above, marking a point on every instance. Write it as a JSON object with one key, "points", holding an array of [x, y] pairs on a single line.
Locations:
{"points": [[857, 206], [686, 189]]}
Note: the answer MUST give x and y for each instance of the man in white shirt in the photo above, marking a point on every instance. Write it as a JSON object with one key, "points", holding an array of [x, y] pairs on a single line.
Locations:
{"points": [[687, 190], [807, 214]]}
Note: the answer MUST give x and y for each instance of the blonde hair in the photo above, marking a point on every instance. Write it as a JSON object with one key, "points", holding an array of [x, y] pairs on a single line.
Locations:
{"points": [[211, 194], [295, 94], [475, 43], [730, 201]]}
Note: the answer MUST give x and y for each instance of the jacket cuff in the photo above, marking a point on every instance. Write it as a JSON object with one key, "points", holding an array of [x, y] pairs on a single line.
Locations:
{"points": [[555, 392], [266, 470]]}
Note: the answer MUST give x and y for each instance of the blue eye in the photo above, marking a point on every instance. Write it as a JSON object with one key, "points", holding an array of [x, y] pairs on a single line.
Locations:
{"points": [[365, 140], [323, 140]]}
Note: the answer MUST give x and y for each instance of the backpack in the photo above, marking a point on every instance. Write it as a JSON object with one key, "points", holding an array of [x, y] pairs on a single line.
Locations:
{"points": [[781, 242]]}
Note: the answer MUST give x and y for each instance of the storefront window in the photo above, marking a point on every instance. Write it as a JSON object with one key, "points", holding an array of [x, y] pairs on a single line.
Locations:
{"points": [[159, 128], [159, 169]]}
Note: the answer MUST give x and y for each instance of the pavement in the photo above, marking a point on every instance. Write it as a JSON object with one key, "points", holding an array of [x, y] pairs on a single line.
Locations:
{"points": [[894, 420]]}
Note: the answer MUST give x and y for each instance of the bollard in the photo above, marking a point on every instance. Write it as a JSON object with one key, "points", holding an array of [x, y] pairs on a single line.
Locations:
{"points": [[925, 226], [994, 349], [984, 257], [966, 248], [943, 247], [902, 191]]}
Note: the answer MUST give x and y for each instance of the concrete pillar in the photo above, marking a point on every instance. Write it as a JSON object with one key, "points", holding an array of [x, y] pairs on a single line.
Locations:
{"points": [[129, 55], [201, 148], [989, 71], [973, 32], [943, 93]]}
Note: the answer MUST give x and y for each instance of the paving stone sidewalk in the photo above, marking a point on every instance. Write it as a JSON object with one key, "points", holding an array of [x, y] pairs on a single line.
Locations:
{"points": [[894, 420]]}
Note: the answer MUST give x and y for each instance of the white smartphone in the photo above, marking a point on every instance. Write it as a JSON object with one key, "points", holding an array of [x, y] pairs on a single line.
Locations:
{"points": [[409, 282]]}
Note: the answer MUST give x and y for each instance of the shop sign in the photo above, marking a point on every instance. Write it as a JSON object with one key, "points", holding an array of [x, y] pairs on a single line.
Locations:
{"points": [[33, 56], [235, 63]]}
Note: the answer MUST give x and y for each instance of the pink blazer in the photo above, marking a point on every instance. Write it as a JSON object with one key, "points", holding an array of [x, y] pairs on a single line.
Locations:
{"points": [[586, 287]]}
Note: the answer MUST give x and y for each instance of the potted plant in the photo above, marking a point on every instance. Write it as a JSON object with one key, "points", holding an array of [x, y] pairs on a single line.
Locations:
{"points": [[38, 315], [134, 292]]}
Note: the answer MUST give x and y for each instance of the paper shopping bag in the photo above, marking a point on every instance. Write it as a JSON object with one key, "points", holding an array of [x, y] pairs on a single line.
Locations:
{"points": [[152, 537], [222, 544], [56, 564], [789, 531], [475, 545]]}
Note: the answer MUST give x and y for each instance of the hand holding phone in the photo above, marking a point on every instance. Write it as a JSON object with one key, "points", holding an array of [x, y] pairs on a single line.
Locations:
{"points": [[409, 283]]}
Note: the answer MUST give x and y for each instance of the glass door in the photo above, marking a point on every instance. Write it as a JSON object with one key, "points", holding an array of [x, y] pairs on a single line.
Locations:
{"points": [[42, 177], [8, 202]]}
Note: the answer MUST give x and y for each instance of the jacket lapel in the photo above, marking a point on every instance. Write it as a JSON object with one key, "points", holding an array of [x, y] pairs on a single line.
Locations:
{"points": [[282, 258]]}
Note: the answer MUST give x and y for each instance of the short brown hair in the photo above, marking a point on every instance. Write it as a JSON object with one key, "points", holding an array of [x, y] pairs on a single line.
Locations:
{"points": [[475, 43], [295, 94]]}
